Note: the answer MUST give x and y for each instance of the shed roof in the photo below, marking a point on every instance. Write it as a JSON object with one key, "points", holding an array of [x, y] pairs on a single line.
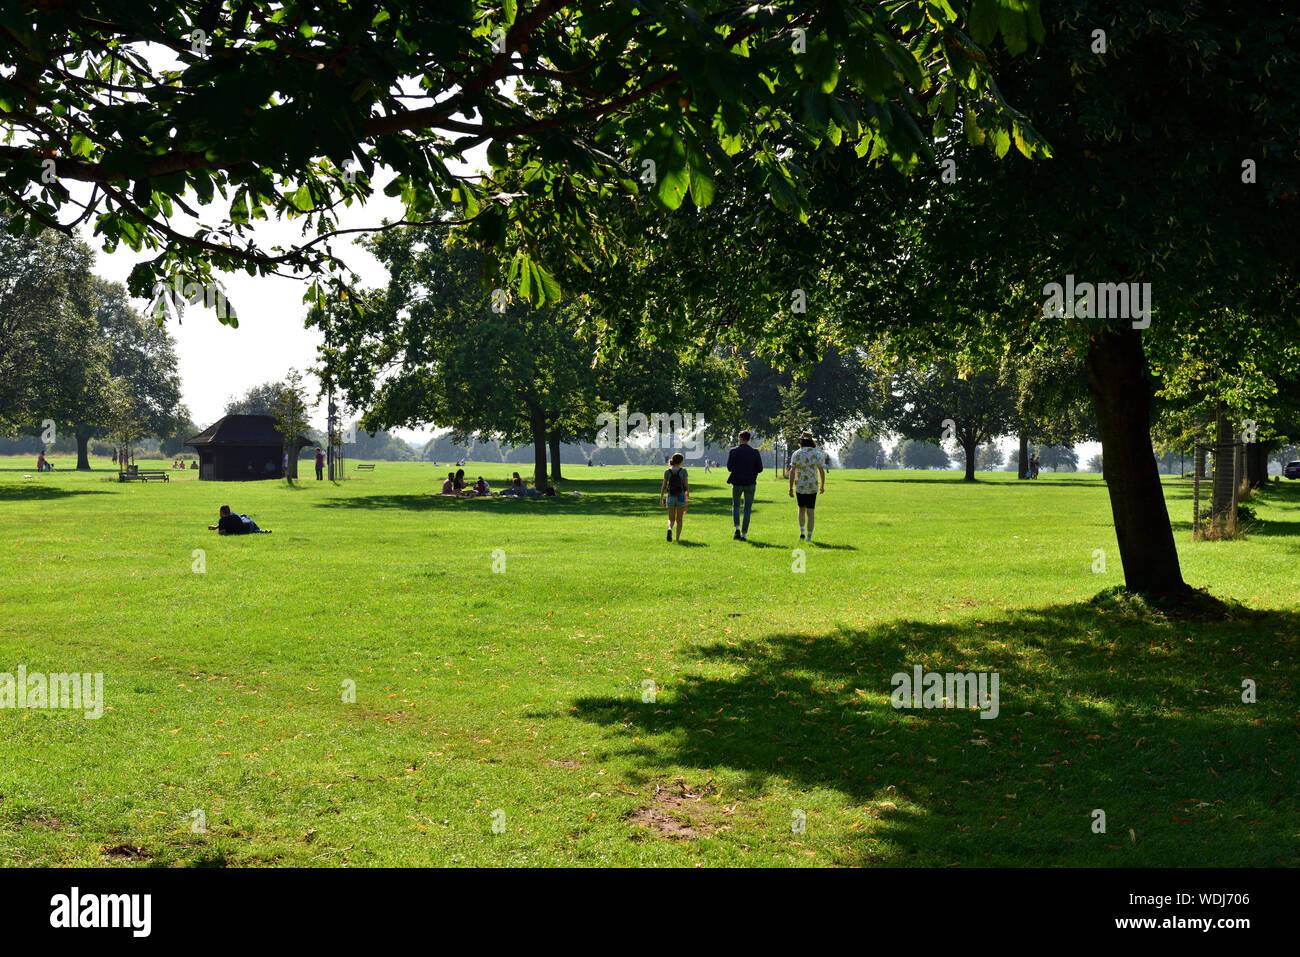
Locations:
{"points": [[243, 430]]}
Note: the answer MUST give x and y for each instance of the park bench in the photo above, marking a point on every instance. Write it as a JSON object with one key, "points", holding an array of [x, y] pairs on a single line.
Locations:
{"points": [[366, 467], [144, 475]]}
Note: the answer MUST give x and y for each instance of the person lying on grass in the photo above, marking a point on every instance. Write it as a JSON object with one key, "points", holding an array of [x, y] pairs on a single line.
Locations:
{"points": [[231, 524]]}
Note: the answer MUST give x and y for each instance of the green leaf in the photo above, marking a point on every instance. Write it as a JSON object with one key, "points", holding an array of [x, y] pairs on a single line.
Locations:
{"points": [[701, 187], [983, 22], [549, 285], [1015, 28], [497, 154], [819, 64], [868, 67], [526, 279], [674, 184], [906, 64], [1018, 136], [1001, 142]]}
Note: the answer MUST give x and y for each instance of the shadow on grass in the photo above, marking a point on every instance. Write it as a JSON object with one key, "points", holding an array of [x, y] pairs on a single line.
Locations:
{"points": [[41, 493], [959, 480], [636, 501], [1099, 708]]}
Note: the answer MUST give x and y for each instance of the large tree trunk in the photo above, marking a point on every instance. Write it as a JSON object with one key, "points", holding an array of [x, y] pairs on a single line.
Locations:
{"points": [[555, 457], [970, 447], [83, 450], [1117, 381], [1024, 456], [1225, 472], [537, 422]]}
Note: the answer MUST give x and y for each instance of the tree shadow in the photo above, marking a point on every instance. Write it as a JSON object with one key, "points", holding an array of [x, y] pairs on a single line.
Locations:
{"points": [[428, 501], [41, 493], [633, 502], [1099, 708], [959, 480]]}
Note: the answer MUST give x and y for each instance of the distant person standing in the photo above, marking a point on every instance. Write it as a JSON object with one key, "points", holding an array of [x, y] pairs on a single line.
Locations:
{"points": [[320, 463], [675, 492], [805, 471], [743, 465], [286, 464], [40, 461]]}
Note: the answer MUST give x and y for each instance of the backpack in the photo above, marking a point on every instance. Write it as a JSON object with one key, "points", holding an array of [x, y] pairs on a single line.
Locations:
{"points": [[674, 482]]}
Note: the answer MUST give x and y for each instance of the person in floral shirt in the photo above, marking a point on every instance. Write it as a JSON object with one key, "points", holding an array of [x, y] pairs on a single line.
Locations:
{"points": [[806, 475]]}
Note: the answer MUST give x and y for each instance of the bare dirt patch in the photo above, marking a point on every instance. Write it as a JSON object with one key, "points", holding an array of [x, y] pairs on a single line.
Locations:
{"points": [[678, 811], [565, 763], [126, 852]]}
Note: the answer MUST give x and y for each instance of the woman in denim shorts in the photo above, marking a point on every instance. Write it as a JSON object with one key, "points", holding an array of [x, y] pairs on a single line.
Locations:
{"points": [[674, 492]]}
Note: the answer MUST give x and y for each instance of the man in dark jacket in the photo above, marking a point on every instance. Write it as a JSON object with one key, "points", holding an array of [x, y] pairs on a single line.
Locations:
{"points": [[744, 463], [230, 524]]}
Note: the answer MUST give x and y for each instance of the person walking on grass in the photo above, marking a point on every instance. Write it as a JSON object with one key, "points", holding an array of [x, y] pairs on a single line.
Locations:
{"points": [[743, 465], [676, 488], [805, 470]]}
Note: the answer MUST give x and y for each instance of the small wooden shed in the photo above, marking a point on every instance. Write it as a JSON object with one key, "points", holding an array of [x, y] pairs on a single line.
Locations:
{"points": [[241, 448]]}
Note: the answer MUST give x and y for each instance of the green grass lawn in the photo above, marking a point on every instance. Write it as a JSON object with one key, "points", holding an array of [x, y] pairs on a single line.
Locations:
{"points": [[521, 692]]}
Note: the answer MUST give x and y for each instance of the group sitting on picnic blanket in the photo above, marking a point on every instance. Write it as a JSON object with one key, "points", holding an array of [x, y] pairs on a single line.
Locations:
{"points": [[455, 486], [231, 524]]}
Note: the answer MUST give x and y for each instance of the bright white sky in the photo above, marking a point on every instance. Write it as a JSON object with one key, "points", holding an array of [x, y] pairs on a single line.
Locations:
{"points": [[217, 361]]}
